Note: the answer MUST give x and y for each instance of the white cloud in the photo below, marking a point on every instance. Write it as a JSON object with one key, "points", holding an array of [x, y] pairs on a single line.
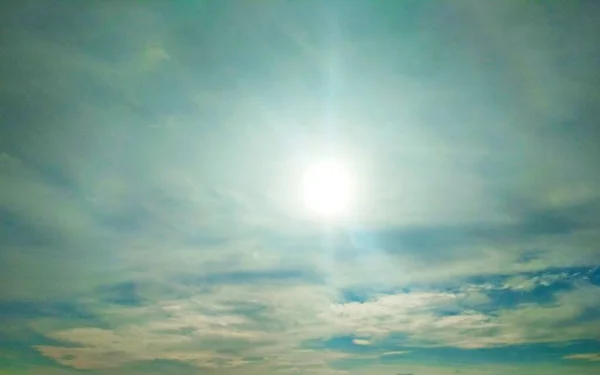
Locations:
{"points": [[273, 322]]}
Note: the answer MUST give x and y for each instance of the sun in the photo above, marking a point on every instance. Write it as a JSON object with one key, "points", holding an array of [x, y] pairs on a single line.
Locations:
{"points": [[327, 189]]}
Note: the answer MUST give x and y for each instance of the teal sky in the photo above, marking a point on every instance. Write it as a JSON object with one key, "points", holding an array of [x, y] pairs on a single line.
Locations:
{"points": [[151, 162]]}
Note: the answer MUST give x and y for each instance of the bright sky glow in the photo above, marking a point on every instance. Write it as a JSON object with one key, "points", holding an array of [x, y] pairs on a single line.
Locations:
{"points": [[327, 189]]}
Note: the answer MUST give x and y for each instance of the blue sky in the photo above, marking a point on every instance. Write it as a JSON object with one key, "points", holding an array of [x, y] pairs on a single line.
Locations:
{"points": [[151, 155]]}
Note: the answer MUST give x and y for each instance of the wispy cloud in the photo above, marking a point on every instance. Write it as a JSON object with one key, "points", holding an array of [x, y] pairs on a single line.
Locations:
{"points": [[594, 357]]}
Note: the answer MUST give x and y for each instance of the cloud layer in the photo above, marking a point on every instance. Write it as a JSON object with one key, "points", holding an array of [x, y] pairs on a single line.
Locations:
{"points": [[150, 157]]}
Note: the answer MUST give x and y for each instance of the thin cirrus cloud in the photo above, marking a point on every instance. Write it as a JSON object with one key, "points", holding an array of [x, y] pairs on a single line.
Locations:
{"points": [[150, 157]]}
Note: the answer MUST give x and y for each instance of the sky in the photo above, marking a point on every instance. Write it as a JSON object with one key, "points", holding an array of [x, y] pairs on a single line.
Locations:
{"points": [[151, 158]]}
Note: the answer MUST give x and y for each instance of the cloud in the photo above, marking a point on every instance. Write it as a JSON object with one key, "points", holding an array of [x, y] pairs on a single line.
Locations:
{"points": [[148, 165], [594, 357], [268, 321], [194, 330], [421, 316], [530, 283]]}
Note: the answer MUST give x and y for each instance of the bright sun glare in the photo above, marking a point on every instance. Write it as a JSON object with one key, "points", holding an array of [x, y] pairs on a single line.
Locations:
{"points": [[327, 189]]}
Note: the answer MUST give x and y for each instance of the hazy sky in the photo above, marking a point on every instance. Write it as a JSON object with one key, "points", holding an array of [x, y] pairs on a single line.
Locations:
{"points": [[151, 154]]}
